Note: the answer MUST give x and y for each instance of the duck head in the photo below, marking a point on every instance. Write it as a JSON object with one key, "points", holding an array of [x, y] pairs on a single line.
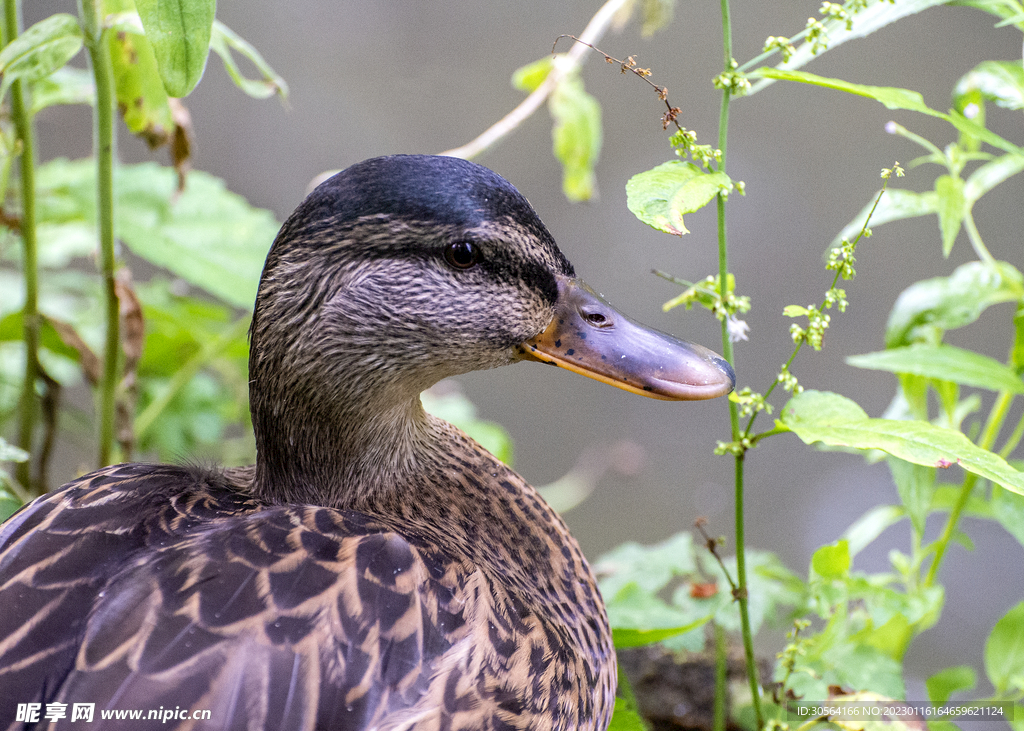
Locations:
{"points": [[400, 271]]}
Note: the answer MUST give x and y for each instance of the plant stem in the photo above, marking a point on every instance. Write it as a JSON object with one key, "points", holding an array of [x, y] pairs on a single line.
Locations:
{"points": [[592, 34], [721, 675], [30, 313], [975, 237], [103, 142], [727, 351], [988, 437]]}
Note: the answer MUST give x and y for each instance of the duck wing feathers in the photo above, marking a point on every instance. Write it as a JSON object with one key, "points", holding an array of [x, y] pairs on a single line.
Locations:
{"points": [[126, 592]]}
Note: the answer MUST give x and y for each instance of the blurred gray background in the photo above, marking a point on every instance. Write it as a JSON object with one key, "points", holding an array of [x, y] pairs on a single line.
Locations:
{"points": [[373, 78]]}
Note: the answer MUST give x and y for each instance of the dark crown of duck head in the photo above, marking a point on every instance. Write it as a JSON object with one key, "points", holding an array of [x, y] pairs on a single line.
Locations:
{"points": [[357, 284]]}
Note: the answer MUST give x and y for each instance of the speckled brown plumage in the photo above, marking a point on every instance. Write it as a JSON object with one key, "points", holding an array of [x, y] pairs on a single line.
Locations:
{"points": [[376, 569]]}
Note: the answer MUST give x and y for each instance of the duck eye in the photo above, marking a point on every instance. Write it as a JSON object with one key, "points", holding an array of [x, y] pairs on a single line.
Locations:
{"points": [[462, 254]]}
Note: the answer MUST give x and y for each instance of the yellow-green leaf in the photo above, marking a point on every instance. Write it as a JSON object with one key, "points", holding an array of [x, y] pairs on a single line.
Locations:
{"points": [[950, 197], [179, 31], [943, 362], [576, 136], [819, 416], [659, 197], [527, 78], [40, 50], [141, 96]]}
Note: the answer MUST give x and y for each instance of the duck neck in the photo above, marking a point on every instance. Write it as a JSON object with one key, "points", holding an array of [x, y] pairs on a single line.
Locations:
{"points": [[342, 458]]}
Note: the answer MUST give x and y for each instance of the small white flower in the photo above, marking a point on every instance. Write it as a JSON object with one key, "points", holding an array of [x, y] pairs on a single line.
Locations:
{"points": [[971, 110], [737, 329]]}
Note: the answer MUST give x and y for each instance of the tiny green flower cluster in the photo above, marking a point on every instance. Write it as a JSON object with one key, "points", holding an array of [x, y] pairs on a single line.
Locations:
{"points": [[837, 12], [788, 381], [733, 81], [841, 259], [750, 402], [817, 36], [817, 323], [780, 44], [684, 141], [736, 449]]}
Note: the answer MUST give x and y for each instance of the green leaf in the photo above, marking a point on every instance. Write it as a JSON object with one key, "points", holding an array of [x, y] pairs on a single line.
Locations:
{"points": [[625, 718], [943, 362], [1008, 509], [991, 174], [867, 21], [140, 92], [818, 416], [650, 567], [634, 608], [659, 197], [625, 637], [576, 136], [950, 201], [1004, 652], [895, 204], [891, 96], [40, 50], [794, 311], [527, 78], [832, 561], [1001, 82], [930, 307], [946, 682], [11, 453], [916, 486], [207, 235], [225, 42], [179, 31], [67, 85]]}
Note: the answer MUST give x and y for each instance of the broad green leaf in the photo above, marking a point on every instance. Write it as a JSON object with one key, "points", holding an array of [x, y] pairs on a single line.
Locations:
{"points": [[874, 17], [1001, 82], [659, 197], [206, 235], [916, 486], [930, 307], [832, 561], [179, 31], [9, 502], [625, 718], [892, 637], [67, 85], [891, 96], [1004, 652], [576, 136], [991, 174], [819, 416], [141, 96], [626, 637], [634, 608], [1008, 10], [40, 50], [949, 194], [946, 682], [943, 362], [650, 567], [527, 78], [225, 42], [895, 204], [865, 667]]}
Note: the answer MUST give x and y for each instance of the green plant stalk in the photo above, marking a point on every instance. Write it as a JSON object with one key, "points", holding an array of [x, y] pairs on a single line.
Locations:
{"points": [[721, 673], [734, 419], [995, 422], [975, 237], [23, 125], [103, 142]]}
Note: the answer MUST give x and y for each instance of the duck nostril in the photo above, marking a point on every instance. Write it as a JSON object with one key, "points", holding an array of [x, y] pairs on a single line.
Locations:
{"points": [[596, 319]]}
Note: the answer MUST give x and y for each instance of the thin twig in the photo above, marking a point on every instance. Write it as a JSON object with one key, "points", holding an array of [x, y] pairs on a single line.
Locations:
{"points": [[711, 544], [564, 66]]}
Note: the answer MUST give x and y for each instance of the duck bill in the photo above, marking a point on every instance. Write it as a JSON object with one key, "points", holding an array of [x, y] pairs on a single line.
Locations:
{"points": [[588, 336]]}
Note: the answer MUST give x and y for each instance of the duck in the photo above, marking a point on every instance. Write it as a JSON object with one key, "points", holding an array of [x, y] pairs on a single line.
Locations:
{"points": [[376, 568]]}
